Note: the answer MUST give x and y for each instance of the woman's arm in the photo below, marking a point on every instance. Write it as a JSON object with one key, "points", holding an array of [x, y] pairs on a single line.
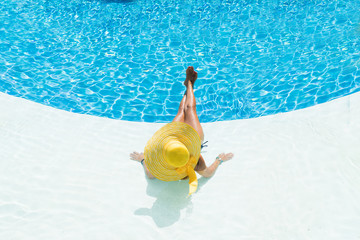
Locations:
{"points": [[210, 171], [139, 157]]}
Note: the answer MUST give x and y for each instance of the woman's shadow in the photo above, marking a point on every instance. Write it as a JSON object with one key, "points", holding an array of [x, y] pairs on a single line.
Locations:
{"points": [[171, 197]]}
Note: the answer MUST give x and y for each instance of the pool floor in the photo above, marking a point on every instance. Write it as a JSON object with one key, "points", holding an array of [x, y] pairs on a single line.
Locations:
{"points": [[68, 176]]}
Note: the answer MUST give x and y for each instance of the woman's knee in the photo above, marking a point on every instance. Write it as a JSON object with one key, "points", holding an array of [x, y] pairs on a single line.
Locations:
{"points": [[190, 107]]}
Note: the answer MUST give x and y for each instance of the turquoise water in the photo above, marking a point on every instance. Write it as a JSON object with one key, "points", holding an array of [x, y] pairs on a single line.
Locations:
{"points": [[127, 59]]}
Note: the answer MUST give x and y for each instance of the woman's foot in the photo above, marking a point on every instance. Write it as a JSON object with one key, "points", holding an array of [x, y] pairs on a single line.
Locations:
{"points": [[191, 76]]}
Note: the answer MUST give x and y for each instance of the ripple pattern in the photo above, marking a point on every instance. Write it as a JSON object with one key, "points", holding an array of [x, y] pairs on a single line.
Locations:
{"points": [[127, 59]]}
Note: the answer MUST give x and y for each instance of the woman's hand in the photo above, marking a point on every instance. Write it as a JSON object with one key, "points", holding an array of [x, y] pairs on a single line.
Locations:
{"points": [[225, 157], [137, 156]]}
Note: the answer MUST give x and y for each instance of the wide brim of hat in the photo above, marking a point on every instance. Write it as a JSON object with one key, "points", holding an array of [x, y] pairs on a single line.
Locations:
{"points": [[153, 153]]}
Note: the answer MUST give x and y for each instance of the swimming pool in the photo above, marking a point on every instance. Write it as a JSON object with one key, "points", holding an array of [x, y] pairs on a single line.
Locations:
{"points": [[126, 59], [68, 176]]}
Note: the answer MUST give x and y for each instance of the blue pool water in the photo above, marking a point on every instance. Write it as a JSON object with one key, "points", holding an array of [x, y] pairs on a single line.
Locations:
{"points": [[127, 59]]}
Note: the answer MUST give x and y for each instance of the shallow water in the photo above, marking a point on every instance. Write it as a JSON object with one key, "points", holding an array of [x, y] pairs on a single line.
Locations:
{"points": [[127, 59]]}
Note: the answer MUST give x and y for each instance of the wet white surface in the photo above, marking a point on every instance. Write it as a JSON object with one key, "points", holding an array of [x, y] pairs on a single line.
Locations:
{"points": [[68, 176]]}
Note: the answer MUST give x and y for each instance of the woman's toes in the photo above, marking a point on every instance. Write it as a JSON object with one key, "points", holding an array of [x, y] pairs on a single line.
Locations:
{"points": [[189, 70]]}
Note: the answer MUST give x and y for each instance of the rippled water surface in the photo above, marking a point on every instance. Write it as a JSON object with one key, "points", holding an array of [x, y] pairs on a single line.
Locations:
{"points": [[127, 59]]}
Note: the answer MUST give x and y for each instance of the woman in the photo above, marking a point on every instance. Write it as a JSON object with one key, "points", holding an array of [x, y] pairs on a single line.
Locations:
{"points": [[173, 153]]}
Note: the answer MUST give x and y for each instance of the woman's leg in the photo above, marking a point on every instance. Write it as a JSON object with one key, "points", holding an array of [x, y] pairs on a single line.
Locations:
{"points": [[187, 108], [191, 116], [180, 116]]}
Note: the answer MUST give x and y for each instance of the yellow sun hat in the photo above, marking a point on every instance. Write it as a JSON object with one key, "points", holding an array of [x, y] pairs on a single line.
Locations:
{"points": [[172, 153]]}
